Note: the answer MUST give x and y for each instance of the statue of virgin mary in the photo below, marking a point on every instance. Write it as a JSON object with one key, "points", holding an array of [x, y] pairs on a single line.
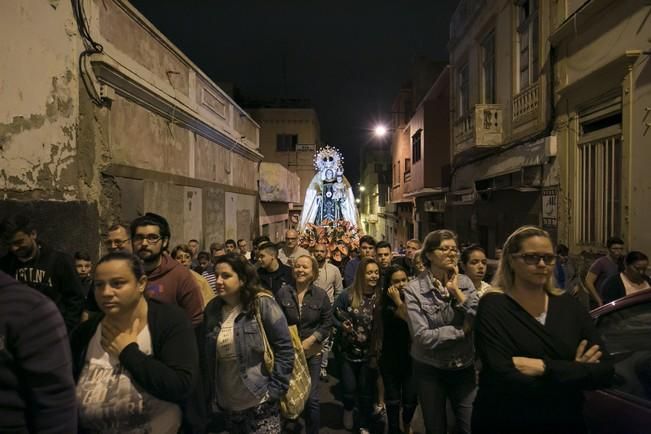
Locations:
{"points": [[329, 196]]}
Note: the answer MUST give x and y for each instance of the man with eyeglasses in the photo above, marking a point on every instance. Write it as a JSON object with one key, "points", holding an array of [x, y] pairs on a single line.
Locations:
{"points": [[118, 238], [292, 250], [168, 281], [35, 264]]}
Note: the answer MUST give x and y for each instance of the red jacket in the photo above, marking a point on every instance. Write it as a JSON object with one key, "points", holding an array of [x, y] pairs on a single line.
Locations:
{"points": [[172, 283]]}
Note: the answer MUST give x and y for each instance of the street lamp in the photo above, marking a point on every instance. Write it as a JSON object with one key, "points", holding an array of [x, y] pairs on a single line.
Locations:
{"points": [[380, 131], [357, 200], [362, 188]]}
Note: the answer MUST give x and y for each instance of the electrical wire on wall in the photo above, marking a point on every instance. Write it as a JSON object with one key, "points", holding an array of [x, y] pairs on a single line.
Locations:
{"points": [[90, 47]]}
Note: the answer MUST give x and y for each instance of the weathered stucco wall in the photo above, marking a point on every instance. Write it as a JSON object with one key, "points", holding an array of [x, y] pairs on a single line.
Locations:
{"points": [[158, 144], [38, 100]]}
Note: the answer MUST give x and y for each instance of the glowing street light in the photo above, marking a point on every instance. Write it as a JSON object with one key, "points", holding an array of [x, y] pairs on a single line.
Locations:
{"points": [[380, 131], [357, 200], [362, 188]]}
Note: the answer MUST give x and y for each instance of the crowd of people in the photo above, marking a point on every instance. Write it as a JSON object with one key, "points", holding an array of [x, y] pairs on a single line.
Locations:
{"points": [[165, 339]]}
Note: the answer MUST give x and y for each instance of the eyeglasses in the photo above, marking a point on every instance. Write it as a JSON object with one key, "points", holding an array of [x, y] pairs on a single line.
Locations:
{"points": [[447, 250], [534, 259], [115, 243], [151, 238]]}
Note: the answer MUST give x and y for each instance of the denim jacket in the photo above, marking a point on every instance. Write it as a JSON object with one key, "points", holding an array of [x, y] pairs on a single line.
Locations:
{"points": [[250, 348], [313, 318], [436, 325]]}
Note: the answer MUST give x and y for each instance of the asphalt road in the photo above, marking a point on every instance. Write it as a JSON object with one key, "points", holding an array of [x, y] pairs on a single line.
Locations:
{"points": [[332, 411]]}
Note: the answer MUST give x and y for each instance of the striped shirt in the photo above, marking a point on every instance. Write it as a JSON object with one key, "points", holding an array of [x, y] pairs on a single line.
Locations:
{"points": [[212, 280]]}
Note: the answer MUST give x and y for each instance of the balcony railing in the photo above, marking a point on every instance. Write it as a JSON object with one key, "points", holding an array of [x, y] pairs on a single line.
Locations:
{"points": [[480, 129], [526, 103]]}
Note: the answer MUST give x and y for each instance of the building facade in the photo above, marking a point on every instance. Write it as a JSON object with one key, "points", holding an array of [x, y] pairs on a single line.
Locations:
{"points": [[421, 160], [376, 213], [505, 170], [290, 136], [603, 98], [279, 191], [103, 119]]}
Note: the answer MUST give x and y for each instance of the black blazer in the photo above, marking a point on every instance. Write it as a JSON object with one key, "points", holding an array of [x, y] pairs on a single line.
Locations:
{"points": [[171, 374]]}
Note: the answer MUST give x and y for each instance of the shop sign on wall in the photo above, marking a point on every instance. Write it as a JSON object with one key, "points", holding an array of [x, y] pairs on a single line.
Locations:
{"points": [[550, 207]]}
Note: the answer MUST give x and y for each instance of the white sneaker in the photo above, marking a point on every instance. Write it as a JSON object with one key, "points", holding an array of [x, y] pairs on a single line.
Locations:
{"points": [[364, 431], [348, 420]]}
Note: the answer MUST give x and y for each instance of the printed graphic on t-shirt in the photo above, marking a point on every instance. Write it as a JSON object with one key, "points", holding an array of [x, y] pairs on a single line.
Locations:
{"points": [[110, 402]]}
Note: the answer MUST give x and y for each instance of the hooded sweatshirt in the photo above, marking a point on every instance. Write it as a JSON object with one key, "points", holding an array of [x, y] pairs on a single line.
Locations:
{"points": [[172, 283], [37, 392], [53, 274]]}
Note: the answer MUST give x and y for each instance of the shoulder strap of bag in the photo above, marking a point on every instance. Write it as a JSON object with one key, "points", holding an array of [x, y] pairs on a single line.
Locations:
{"points": [[258, 317]]}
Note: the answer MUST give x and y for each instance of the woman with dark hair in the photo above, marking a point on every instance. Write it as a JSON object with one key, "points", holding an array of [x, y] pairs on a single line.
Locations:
{"points": [[629, 281], [136, 362], [395, 361], [441, 305], [475, 263], [356, 312], [308, 307], [238, 381], [538, 346]]}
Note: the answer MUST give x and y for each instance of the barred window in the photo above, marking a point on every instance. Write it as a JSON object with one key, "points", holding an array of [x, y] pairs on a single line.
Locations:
{"points": [[599, 180], [286, 142]]}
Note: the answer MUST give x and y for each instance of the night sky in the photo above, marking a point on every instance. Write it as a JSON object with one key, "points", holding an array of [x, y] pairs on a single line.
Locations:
{"points": [[347, 57]]}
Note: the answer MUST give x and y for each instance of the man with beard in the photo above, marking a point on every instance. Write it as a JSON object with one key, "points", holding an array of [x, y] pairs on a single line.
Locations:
{"points": [[35, 264], [168, 281], [273, 273], [329, 280]]}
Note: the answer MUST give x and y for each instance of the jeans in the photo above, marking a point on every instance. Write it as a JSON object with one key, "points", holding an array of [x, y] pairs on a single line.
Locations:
{"points": [[436, 386], [399, 388], [358, 379], [312, 411]]}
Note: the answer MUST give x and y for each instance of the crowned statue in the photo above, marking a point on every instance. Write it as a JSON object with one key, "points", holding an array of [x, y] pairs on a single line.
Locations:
{"points": [[329, 197]]}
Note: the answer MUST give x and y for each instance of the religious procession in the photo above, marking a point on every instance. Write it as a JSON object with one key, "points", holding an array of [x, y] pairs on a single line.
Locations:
{"points": [[184, 248], [436, 336]]}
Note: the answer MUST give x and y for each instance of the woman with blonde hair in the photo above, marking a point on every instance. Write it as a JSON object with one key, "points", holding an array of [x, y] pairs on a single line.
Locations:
{"points": [[308, 308], [538, 346]]}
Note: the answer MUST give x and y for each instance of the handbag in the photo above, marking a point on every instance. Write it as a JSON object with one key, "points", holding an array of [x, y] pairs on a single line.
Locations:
{"points": [[293, 402]]}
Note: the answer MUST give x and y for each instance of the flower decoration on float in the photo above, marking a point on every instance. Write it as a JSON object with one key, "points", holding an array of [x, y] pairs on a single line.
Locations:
{"points": [[339, 236]]}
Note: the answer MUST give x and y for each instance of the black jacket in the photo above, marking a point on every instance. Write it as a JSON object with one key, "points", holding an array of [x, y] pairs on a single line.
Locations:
{"points": [[171, 374], [53, 274], [37, 392], [613, 288], [511, 402], [274, 280], [315, 315]]}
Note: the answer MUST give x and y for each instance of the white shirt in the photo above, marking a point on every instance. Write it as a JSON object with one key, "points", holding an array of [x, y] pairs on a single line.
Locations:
{"points": [[630, 287], [110, 402], [232, 393], [330, 280]]}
